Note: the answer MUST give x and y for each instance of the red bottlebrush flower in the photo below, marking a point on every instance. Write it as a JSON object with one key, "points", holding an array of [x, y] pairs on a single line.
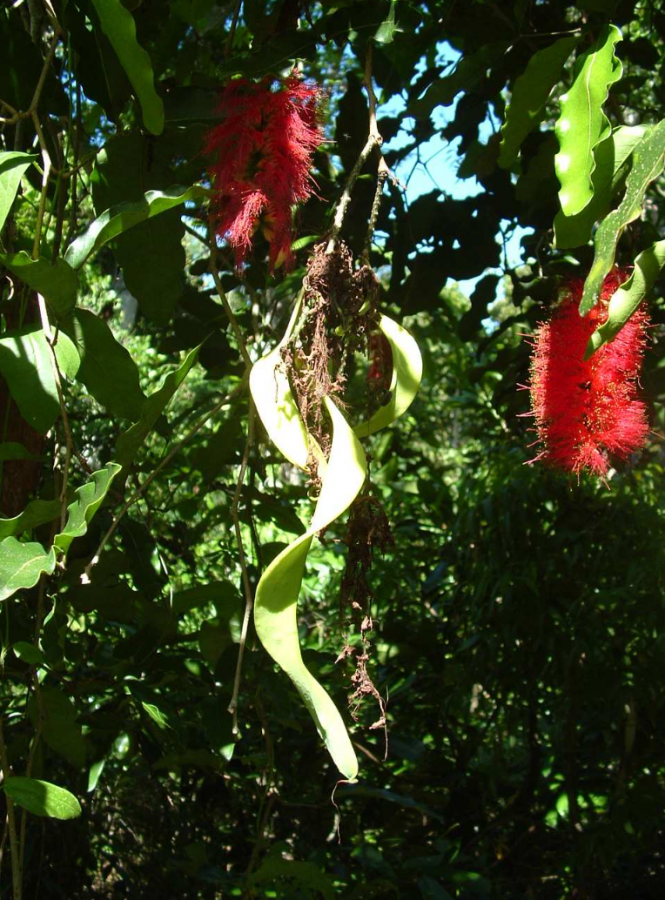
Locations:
{"points": [[588, 410], [262, 154]]}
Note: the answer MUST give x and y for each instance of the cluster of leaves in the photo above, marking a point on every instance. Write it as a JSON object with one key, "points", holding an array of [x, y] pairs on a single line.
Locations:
{"points": [[517, 617]]}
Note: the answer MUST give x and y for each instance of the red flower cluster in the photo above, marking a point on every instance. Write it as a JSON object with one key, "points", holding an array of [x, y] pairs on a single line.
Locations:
{"points": [[262, 154], [586, 410]]}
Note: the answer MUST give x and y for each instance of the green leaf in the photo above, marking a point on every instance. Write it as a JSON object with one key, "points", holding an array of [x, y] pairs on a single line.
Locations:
{"points": [[119, 26], [36, 513], [276, 404], [94, 774], [275, 608], [42, 798], [582, 124], [610, 156], [405, 381], [13, 164], [107, 369], [22, 564], [28, 653], [89, 497], [129, 443], [467, 73], [122, 216], [648, 160], [58, 284], [628, 297], [306, 877], [529, 96], [60, 729], [26, 363], [156, 715], [12, 450], [385, 33]]}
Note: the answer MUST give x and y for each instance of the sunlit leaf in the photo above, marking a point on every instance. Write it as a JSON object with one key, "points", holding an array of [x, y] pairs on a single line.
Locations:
{"points": [[37, 512], [530, 94], [42, 798], [21, 564], [119, 26], [582, 123], [13, 164], [648, 160], [57, 283], [628, 297], [89, 497]]}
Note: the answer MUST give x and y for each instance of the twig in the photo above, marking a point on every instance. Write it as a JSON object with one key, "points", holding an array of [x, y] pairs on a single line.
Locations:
{"points": [[247, 588], [374, 141], [85, 578], [225, 303], [14, 847], [232, 30]]}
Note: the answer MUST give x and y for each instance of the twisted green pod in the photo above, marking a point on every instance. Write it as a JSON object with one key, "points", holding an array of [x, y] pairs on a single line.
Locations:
{"points": [[275, 607]]}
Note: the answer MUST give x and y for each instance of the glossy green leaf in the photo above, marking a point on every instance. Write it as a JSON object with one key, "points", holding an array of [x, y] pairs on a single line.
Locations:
{"points": [[276, 404], [407, 372], [129, 443], [107, 370], [119, 26], [155, 713], [57, 283], [22, 564], [36, 513], [89, 497], [628, 297], [582, 124], [122, 216], [275, 608], [94, 774], [648, 160], [529, 96], [13, 164], [26, 363], [42, 798], [610, 156]]}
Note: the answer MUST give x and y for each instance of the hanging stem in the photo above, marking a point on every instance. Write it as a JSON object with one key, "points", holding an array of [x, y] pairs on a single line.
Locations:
{"points": [[14, 848]]}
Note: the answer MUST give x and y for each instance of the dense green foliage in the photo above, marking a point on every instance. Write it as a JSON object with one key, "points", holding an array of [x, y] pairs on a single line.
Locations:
{"points": [[511, 616]]}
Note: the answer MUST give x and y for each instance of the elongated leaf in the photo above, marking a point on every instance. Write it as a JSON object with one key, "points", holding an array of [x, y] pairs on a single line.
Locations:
{"points": [[610, 156], [385, 33], [122, 216], [37, 512], [22, 564], [28, 653], [129, 442], [42, 798], [13, 450], [275, 609], [582, 123], [467, 73], [58, 284], [407, 372], [628, 297], [26, 363], [13, 164], [648, 160], [119, 26], [276, 404], [58, 716], [89, 497], [107, 370], [530, 94]]}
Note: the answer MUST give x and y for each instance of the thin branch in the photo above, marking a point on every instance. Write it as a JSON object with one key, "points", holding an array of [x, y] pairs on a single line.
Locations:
{"points": [[247, 588], [232, 30], [14, 847], [225, 303], [85, 578]]}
